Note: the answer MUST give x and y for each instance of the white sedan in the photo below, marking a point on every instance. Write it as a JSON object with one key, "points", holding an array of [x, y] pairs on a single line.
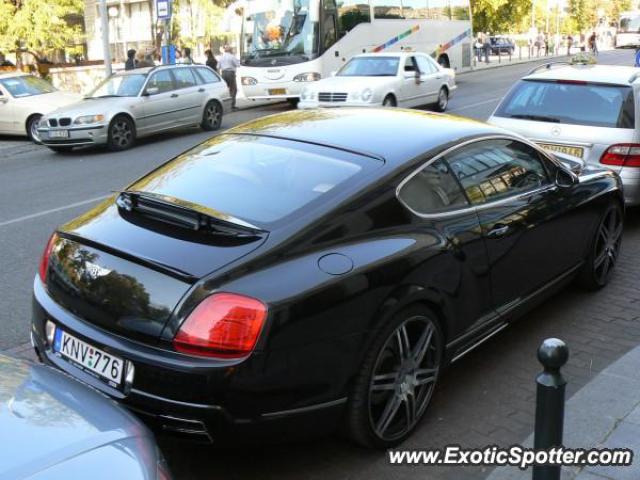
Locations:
{"points": [[402, 79], [24, 99]]}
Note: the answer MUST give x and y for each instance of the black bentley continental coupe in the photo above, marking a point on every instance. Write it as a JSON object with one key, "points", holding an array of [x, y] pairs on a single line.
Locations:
{"points": [[317, 268]]}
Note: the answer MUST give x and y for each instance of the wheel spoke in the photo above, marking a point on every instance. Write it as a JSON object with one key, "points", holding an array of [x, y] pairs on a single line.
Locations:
{"points": [[600, 259], [423, 344], [425, 376], [410, 409], [385, 381], [604, 233], [404, 348], [389, 412]]}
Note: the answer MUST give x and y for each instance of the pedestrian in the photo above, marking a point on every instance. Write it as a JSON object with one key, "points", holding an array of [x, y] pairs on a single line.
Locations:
{"points": [[211, 62], [228, 66], [487, 46], [130, 64], [546, 44], [186, 57], [479, 46], [593, 43], [569, 44]]}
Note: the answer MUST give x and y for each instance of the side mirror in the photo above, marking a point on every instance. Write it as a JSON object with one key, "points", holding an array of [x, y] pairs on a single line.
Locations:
{"points": [[566, 178], [151, 91]]}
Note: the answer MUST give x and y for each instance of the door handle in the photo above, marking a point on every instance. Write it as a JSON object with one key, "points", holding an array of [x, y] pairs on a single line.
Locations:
{"points": [[201, 90], [498, 230], [174, 95], [439, 77]]}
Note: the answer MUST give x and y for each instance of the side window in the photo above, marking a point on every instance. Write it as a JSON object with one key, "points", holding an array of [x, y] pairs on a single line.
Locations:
{"points": [[433, 189], [494, 169], [207, 75], [351, 13], [329, 36], [184, 78], [161, 80], [410, 64], [426, 67]]}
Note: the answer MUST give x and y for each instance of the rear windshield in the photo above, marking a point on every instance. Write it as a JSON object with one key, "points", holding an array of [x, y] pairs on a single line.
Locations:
{"points": [[258, 180], [579, 104]]}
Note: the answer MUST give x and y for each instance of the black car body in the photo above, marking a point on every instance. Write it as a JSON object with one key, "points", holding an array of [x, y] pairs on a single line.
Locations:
{"points": [[500, 45], [330, 271]]}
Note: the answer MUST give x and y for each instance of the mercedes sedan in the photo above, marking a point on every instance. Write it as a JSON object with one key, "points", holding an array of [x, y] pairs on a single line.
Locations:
{"points": [[302, 269]]}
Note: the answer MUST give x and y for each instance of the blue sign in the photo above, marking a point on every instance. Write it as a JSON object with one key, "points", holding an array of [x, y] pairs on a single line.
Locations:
{"points": [[168, 54], [163, 9]]}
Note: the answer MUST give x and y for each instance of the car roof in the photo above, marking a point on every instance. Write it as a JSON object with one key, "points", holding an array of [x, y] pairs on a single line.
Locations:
{"points": [[145, 70], [608, 74], [395, 135], [389, 54]]}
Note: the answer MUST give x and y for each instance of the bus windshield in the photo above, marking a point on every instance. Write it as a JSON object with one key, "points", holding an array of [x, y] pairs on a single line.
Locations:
{"points": [[281, 30], [630, 24]]}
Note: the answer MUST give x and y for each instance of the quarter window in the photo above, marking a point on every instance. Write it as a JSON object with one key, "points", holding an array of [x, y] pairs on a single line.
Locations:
{"points": [[433, 189], [184, 78], [494, 169], [207, 75], [161, 80]]}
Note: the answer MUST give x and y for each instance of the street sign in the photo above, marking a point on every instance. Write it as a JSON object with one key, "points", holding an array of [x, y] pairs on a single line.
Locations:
{"points": [[163, 7]]}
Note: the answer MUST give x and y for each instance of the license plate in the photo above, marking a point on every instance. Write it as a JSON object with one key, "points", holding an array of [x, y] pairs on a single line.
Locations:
{"points": [[59, 134], [97, 362], [277, 91], [568, 149]]}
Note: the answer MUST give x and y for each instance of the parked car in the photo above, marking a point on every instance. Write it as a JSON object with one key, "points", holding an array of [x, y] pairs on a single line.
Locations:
{"points": [[54, 428], [588, 111], [24, 99], [388, 79], [317, 266], [500, 45], [135, 103]]}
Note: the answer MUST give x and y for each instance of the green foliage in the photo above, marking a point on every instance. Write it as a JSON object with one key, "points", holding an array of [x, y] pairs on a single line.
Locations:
{"points": [[38, 26], [199, 20], [500, 16]]}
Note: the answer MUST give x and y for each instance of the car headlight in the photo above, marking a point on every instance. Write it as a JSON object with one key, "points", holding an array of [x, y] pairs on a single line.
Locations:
{"points": [[366, 95], [248, 81], [307, 77], [88, 119]]}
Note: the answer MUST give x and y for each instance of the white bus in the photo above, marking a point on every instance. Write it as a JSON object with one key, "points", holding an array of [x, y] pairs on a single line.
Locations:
{"points": [[628, 34], [285, 43]]}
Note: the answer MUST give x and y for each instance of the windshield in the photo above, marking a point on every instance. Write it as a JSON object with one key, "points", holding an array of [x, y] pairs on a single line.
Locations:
{"points": [[26, 86], [370, 67], [630, 24], [257, 180], [281, 28], [585, 103], [119, 86]]}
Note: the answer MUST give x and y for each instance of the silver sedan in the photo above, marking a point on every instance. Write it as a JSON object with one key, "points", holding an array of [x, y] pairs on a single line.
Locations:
{"points": [[136, 103]]}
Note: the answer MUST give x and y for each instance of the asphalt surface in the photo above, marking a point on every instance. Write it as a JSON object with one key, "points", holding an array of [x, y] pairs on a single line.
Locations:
{"points": [[40, 190]]}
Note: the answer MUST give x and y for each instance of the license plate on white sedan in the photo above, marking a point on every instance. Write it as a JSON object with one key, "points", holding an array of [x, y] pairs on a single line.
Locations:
{"points": [[58, 133], [105, 366]]}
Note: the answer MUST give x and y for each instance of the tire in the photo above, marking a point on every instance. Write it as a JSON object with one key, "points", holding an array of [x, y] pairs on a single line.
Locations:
{"points": [[60, 149], [293, 102], [443, 100], [604, 250], [389, 101], [122, 133], [391, 395], [211, 116], [32, 127]]}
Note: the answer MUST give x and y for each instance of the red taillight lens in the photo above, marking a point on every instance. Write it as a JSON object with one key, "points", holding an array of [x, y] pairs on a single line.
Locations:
{"points": [[224, 325], [44, 261], [622, 155]]}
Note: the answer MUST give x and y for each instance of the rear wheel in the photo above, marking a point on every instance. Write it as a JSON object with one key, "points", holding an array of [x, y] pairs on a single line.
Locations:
{"points": [[293, 102], [397, 379], [443, 100], [122, 133], [604, 251], [32, 127], [389, 101], [212, 116]]}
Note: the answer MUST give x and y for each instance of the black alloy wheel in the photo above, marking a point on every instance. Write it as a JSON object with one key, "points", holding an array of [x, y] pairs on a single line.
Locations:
{"points": [[605, 249], [212, 116], [121, 133], [397, 381]]}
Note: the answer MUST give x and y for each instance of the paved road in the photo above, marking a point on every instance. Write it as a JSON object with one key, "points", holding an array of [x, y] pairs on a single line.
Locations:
{"points": [[485, 398]]}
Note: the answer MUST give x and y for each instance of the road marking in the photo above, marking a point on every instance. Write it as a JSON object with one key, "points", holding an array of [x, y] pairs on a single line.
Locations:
{"points": [[484, 102], [52, 210]]}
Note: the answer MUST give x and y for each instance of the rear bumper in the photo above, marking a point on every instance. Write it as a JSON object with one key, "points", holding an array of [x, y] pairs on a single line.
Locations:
{"points": [[631, 185], [205, 399]]}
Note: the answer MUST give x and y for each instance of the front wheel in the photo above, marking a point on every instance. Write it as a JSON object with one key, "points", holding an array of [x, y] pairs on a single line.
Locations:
{"points": [[396, 381], [212, 116], [32, 128], [604, 251], [443, 100], [293, 102], [122, 134], [389, 101]]}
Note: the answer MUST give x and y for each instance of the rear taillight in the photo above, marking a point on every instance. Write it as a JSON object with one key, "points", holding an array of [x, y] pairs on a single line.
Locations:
{"points": [[622, 155], [44, 261], [224, 325]]}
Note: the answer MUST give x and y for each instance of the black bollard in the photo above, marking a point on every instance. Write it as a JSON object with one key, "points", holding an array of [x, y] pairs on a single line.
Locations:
{"points": [[552, 354]]}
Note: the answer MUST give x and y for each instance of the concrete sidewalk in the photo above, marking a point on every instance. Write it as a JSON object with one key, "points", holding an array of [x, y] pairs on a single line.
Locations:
{"points": [[605, 413]]}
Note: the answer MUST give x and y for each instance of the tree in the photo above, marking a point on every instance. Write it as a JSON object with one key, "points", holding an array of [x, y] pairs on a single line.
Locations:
{"points": [[500, 16], [584, 12], [38, 26]]}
